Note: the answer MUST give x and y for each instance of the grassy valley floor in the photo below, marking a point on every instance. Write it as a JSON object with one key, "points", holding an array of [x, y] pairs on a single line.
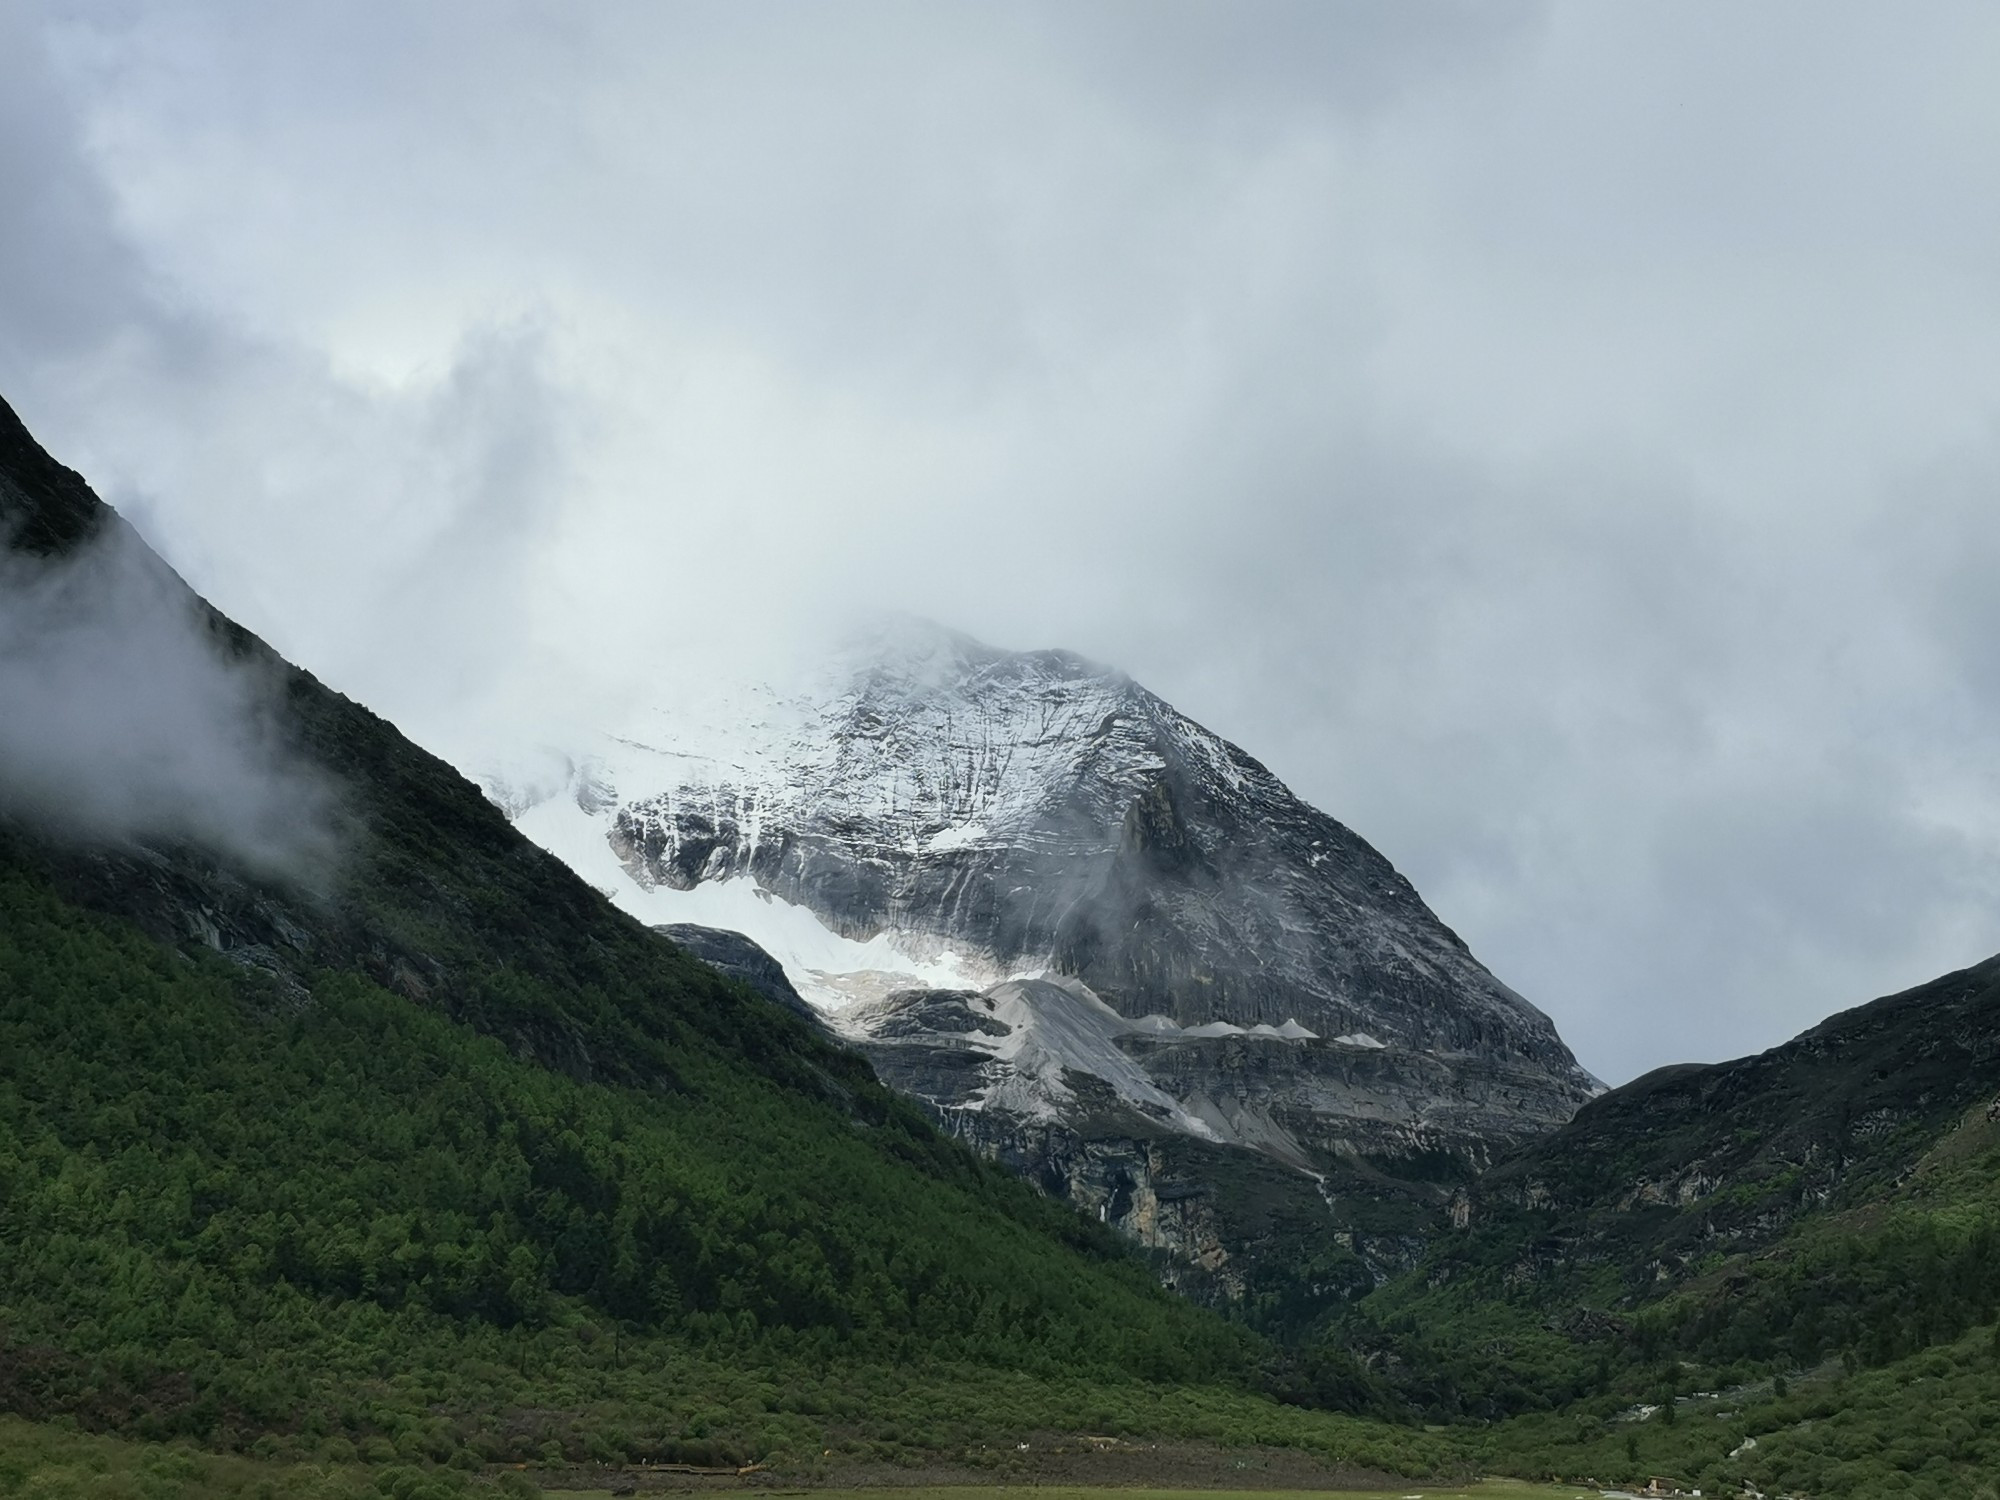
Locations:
{"points": [[53, 1461]]}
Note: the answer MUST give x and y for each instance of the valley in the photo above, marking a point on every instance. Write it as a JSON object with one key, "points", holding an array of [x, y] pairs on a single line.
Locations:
{"points": [[1094, 1095]]}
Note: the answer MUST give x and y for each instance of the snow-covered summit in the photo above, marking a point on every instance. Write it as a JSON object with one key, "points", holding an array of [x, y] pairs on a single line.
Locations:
{"points": [[913, 741], [949, 811], [917, 811]]}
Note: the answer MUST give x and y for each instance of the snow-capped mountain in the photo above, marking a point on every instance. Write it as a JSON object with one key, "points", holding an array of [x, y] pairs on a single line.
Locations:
{"points": [[1034, 891]]}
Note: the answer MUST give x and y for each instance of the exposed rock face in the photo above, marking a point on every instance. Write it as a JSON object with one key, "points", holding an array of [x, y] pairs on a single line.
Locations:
{"points": [[1046, 1079], [735, 955]]}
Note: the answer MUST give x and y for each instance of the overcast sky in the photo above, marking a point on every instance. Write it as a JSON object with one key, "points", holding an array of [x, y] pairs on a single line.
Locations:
{"points": [[1559, 440]]}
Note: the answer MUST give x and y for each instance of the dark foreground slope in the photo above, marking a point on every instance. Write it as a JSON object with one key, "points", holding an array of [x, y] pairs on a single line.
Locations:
{"points": [[426, 1150], [1811, 1236]]}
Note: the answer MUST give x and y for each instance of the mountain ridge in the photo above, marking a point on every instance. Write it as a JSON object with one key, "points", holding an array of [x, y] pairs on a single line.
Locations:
{"points": [[1085, 932]]}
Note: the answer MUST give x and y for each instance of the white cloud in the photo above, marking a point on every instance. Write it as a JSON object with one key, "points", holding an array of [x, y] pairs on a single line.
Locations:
{"points": [[125, 721], [1552, 436]]}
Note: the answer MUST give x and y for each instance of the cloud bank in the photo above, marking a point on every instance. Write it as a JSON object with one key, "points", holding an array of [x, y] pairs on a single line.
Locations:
{"points": [[1558, 439], [124, 723]]}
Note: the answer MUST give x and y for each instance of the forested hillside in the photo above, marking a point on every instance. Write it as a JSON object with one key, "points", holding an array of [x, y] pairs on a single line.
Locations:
{"points": [[229, 1216], [1810, 1236]]}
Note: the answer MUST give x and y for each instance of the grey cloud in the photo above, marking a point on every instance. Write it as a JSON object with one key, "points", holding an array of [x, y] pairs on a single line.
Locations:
{"points": [[124, 721], [1669, 776], [1187, 61], [69, 279], [1553, 437], [1940, 543], [391, 522], [451, 617]]}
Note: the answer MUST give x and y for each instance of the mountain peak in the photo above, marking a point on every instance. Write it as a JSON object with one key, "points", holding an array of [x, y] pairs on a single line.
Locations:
{"points": [[915, 650], [933, 812], [45, 508]]}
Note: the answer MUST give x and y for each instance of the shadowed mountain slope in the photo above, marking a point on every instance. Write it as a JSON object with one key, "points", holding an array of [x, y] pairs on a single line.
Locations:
{"points": [[1707, 1235], [1693, 1159]]}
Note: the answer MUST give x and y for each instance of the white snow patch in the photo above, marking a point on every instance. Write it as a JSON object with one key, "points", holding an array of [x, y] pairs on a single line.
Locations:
{"points": [[1209, 1029], [962, 837], [830, 971], [1213, 1028]]}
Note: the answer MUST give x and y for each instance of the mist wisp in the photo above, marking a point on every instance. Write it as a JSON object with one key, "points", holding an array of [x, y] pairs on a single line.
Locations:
{"points": [[122, 722]]}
